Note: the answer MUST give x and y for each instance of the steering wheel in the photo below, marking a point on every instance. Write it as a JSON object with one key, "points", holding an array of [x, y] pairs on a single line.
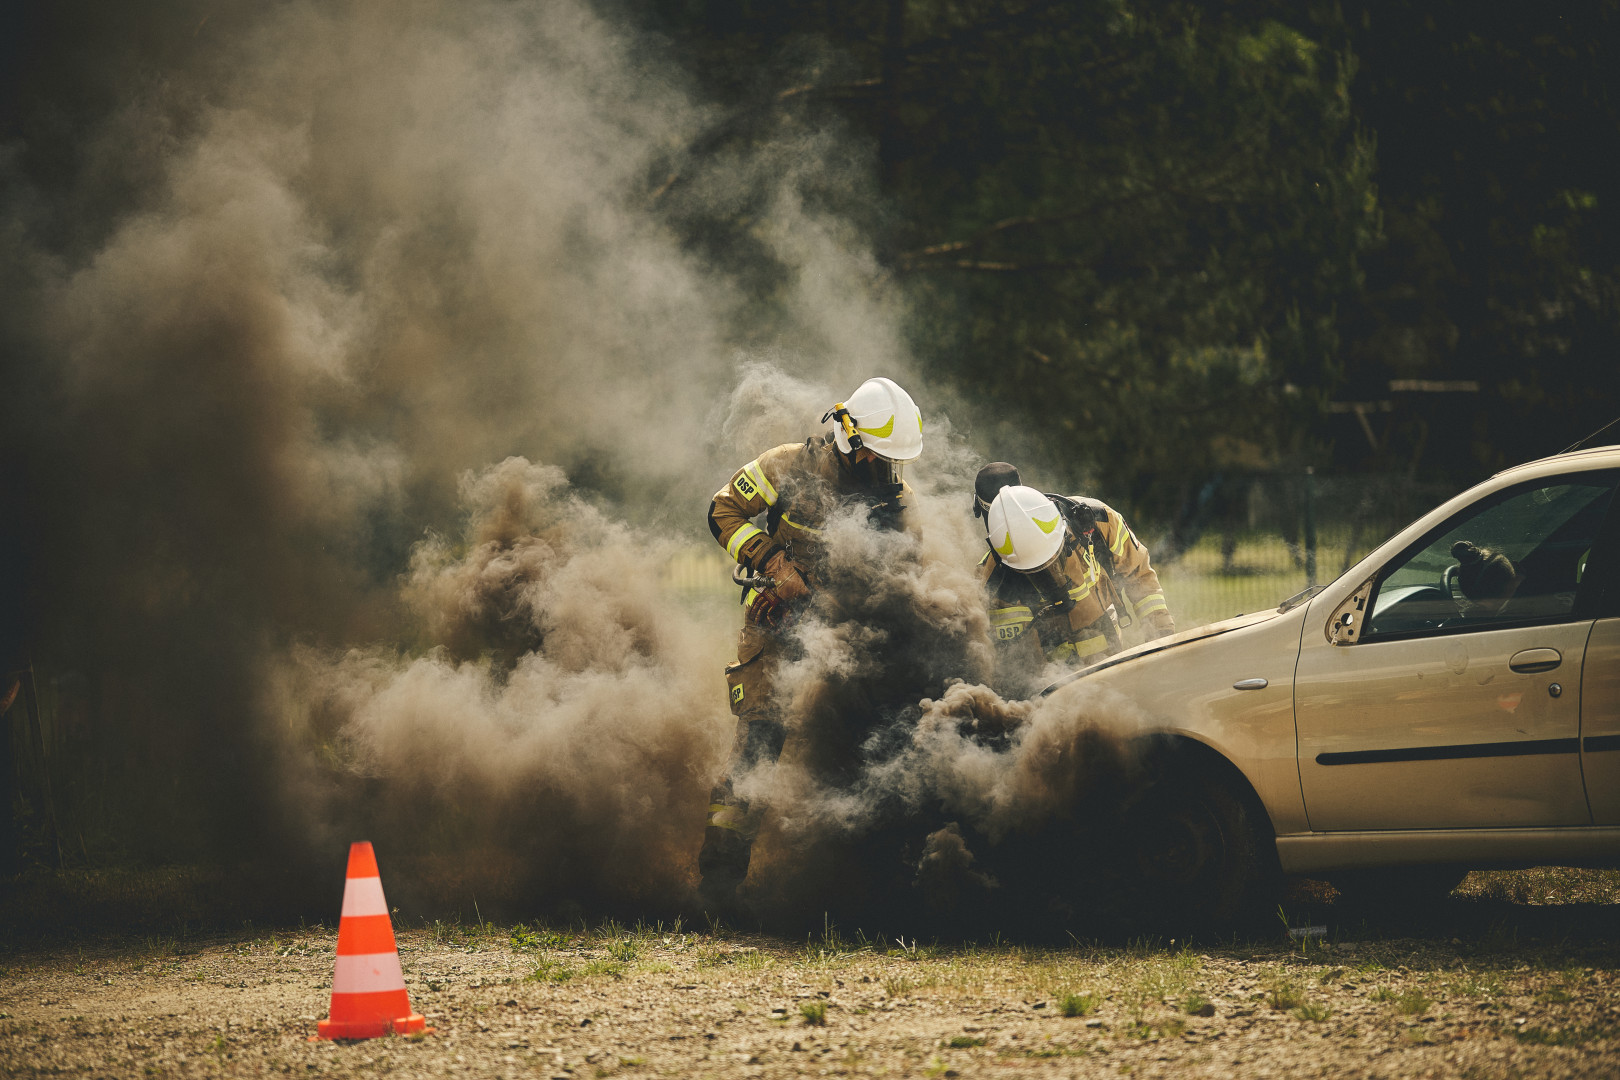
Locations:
{"points": [[1448, 581]]}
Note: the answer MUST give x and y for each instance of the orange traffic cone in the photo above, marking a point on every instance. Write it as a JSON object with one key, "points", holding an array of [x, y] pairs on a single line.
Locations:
{"points": [[368, 987]]}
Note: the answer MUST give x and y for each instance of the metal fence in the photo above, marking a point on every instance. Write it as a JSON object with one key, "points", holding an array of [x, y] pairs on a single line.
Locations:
{"points": [[1253, 539]]}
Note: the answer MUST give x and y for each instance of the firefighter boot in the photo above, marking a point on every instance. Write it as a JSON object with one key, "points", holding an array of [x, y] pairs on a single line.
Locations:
{"points": [[727, 843]]}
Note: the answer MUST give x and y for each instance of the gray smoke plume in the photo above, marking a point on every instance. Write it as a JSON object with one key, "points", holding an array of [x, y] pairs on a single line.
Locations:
{"points": [[361, 380]]}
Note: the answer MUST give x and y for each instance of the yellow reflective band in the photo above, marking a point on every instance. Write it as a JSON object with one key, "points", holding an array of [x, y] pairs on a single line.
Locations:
{"points": [[1006, 546], [734, 818], [1120, 541], [802, 528], [1008, 623], [1046, 526], [749, 597], [1081, 591], [741, 537], [727, 817], [887, 429], [757, 475], [984, 558], [1090, 646], [1020, 613], [1152, 602], [1079, 650]]}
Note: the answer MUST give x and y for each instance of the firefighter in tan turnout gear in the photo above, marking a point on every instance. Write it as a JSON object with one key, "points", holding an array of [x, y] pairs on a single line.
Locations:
{"points": [[796, 486], [1064, 574]]}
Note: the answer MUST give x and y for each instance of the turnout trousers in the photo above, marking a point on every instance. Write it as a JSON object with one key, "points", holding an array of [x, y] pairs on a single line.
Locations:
{"points": [[728, 839]]}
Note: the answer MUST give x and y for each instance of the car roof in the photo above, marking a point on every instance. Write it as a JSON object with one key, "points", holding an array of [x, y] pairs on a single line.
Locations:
{"points": [[1604, 455]]}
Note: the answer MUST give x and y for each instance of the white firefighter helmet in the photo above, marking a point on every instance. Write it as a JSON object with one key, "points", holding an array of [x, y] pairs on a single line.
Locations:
{"points": [[1024, 528], [880, 417]]}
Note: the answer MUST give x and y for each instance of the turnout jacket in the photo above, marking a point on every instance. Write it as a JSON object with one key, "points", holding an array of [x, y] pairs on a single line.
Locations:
{"points": [[1089, 632], [796, 486]]}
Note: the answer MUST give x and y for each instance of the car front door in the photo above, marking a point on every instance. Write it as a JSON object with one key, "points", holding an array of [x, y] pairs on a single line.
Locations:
{"points": [[1459, 704], [1600, 679]]}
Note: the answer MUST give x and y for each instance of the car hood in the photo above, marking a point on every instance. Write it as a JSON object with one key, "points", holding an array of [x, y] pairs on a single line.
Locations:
{"points": [[1148, 648]]}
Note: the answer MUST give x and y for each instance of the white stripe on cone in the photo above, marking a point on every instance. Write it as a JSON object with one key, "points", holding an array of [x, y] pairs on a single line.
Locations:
{"points": [[364, 896], [367, 974]]}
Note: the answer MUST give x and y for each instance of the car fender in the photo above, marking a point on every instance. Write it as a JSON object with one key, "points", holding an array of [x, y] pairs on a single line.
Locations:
{"points": [[1190, 690]]}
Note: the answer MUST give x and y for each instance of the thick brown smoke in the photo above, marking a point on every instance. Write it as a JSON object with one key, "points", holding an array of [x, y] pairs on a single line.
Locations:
{"points": [[565, 716], [292, 283]]}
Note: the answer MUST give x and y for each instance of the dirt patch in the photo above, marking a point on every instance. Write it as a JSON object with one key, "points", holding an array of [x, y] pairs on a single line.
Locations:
{"points": [[525, 1001]]}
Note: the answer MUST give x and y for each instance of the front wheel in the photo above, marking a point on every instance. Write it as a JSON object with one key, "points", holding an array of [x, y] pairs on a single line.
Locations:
{"points": [[1197, 857]]}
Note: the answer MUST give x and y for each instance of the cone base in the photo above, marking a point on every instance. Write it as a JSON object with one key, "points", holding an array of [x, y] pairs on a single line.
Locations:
{"points": [[370, 1029]]}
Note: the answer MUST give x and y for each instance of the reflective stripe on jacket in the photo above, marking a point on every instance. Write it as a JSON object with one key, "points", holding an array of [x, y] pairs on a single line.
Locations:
{"points": [[796, 486], [1092, 592]]}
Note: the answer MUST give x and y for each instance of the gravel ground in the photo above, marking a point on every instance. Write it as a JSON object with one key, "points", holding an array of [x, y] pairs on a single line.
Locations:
{"points": [[534, 1002]]}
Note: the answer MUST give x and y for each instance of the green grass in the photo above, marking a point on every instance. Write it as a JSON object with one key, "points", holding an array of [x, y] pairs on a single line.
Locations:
{"points": [[1543, 885], [1283, 993], [814, 1013], [1410, 1002], [1077, 1005], [523, 938], [965, 1042], [548, 970]]}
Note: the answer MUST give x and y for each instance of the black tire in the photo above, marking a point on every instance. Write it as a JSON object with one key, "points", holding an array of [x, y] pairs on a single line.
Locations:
{"points": [[1198, 856]]}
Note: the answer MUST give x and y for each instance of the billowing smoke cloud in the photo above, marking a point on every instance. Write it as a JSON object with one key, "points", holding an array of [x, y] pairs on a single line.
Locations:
{"points": [[307, 279]]}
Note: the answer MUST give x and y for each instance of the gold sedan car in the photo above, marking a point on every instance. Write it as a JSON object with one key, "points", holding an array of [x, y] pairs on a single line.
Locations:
{"points": [[1452, 702]]}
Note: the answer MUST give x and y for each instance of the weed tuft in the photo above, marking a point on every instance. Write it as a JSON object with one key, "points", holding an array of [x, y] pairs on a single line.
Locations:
{"points": [[1283, 994], [1077, 1004], [1313, 1012], [613, 969], [965, 1042], [1412, 1003], [814, 1013], [548, 970]]}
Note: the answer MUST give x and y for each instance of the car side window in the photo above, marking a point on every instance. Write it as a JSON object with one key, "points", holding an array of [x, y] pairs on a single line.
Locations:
{"points": [[1520, 556]]}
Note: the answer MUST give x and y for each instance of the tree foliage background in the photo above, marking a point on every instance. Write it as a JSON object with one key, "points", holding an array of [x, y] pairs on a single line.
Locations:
{"points": [[1167, 236]]}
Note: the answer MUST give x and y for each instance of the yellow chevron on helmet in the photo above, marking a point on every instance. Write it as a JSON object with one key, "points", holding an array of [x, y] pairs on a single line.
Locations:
{"points": [[1026, 523], [886, 420]]}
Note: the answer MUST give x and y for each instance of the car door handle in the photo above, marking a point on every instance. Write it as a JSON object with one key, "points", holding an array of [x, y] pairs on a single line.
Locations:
{"points": [[1249, 684], [1531, 661]]}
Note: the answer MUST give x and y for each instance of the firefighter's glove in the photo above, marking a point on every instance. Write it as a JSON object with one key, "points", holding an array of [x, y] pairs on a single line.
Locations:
{"points": [[766, 610], [790, 584], [1160, 624]]}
